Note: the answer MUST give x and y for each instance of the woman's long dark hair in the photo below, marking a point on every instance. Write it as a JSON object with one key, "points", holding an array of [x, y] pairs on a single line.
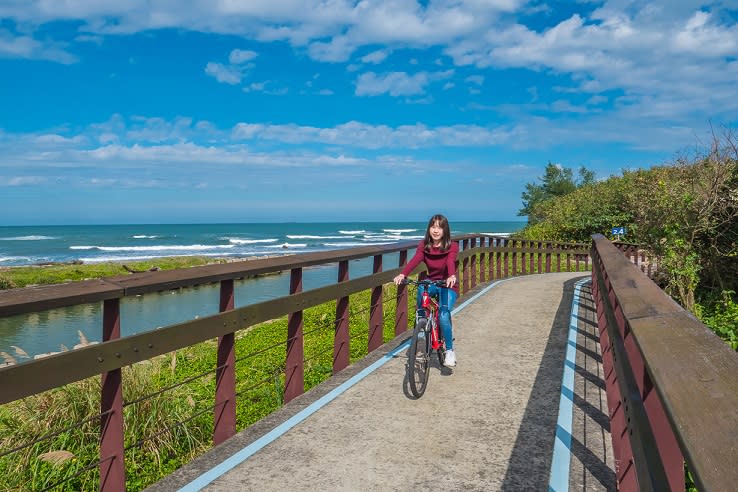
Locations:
{"points": [[445, 238]]}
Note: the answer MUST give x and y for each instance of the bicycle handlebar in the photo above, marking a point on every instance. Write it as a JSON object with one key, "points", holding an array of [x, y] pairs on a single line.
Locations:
{"points": [[437, 283]]}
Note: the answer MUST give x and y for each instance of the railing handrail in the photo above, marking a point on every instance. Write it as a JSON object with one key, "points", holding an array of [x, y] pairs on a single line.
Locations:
{"points": [[692, 370]]}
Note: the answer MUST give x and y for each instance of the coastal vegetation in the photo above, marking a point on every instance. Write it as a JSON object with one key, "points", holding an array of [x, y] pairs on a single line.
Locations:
{"points": [[684, 213]]}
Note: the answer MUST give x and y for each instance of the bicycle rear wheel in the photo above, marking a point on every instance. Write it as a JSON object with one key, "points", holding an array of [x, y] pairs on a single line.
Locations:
{"points": [[418, 361]]}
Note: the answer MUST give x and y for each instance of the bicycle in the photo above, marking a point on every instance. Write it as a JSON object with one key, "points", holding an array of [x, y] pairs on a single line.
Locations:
{"points": [[427, 337]]}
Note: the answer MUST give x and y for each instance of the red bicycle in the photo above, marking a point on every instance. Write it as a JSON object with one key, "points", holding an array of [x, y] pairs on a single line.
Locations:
{"points": [[426, 338]]}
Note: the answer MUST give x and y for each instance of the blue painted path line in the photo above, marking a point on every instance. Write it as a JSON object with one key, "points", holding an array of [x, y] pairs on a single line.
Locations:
{"points": [[561, 461], [242, 455]]}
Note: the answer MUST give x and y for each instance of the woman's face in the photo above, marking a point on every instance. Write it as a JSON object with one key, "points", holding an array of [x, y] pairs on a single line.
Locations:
{"points": [[436, 232]]}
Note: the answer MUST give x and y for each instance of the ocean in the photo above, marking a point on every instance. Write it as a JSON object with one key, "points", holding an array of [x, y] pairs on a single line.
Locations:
{"points": [[61, 329], [28, 245]]}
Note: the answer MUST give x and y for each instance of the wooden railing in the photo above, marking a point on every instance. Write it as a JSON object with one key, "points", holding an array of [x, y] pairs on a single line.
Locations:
{"points": [[482, 258], [672, 384]]}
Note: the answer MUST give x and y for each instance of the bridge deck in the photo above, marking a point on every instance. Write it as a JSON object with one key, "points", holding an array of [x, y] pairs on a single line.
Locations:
{"points": [[495, 418]]}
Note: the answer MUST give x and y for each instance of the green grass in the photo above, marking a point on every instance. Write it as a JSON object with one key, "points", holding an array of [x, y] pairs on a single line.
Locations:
{"points": [[24, 276]]}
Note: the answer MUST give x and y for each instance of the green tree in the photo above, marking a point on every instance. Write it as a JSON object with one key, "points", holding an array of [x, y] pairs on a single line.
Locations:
{"points": [[556, 181]]}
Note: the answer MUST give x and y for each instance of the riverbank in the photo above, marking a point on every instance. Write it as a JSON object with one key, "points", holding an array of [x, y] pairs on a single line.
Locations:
{"points": [[56, 273]]}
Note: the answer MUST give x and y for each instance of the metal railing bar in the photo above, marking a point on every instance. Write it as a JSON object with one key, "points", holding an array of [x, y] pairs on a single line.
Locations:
{"points": [[173, 426], [175, 385], [80, 472], [55, 433], [318, 329], [259, 383], [260, 351], [318, 354]]}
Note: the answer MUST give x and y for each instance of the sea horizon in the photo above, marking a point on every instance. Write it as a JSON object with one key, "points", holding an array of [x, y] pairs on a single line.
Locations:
{"points": [[95, 243]]}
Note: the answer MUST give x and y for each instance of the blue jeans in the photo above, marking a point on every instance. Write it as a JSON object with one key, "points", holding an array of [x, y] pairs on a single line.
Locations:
{"points": [[446, 300]]}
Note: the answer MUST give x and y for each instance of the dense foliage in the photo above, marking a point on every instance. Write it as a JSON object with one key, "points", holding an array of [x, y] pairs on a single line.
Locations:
{"points": [[556, 181], [684, 213]]}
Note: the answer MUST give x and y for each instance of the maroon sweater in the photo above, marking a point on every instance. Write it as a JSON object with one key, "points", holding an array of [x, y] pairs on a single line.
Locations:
{"points": [[440, 264]]}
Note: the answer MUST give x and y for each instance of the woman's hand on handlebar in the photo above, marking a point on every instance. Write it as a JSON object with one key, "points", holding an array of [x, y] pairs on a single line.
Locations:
{"points": [[398, 279], [451, 281]]}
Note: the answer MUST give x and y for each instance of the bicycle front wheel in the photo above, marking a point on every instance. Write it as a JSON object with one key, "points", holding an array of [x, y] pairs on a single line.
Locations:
{"points": [[418, 362]]}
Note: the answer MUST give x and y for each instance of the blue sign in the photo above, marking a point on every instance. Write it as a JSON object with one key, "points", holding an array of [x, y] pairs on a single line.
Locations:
{"points": [[618, 231]]}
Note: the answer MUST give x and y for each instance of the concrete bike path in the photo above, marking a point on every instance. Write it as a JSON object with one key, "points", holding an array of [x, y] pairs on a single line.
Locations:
{"points": [[490, 424]]}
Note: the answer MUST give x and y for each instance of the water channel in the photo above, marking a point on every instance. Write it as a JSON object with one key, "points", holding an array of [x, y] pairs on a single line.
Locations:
{"points": [[63, 328]]}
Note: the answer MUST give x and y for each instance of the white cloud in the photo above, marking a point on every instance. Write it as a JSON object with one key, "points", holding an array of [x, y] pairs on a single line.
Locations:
{"points": [[397, 83], [24, 46], [23, 181], [238, 57], [338, 49], [255, 87], [227, 74], [363, 135], [267, 87], [475, 79], [375, 57]]}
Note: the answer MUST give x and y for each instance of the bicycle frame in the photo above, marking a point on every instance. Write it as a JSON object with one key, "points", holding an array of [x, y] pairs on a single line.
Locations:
{"points": [[431, 307]]}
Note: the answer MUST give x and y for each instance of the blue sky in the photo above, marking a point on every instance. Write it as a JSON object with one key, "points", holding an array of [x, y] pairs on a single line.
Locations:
{"points": [[331, 110]]}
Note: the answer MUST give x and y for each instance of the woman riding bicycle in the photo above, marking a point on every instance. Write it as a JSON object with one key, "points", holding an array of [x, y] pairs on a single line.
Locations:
{"points": [[438, 252]]}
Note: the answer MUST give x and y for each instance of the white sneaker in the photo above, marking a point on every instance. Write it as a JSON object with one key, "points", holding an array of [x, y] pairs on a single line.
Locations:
{"points": [[450, 359]]}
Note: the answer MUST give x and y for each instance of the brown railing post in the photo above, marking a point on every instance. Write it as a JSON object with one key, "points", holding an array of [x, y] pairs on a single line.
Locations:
{"points": [[540, 258], [465, 281], [548, 257], [498, 258], [341, 340], [515, 255], [294, 374], [473, 263], [482, 263], [506, 242], [523, 271], [457, 263], [225, 374], [490, 259], [376, 314], [112, 455], [401, 307]]}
